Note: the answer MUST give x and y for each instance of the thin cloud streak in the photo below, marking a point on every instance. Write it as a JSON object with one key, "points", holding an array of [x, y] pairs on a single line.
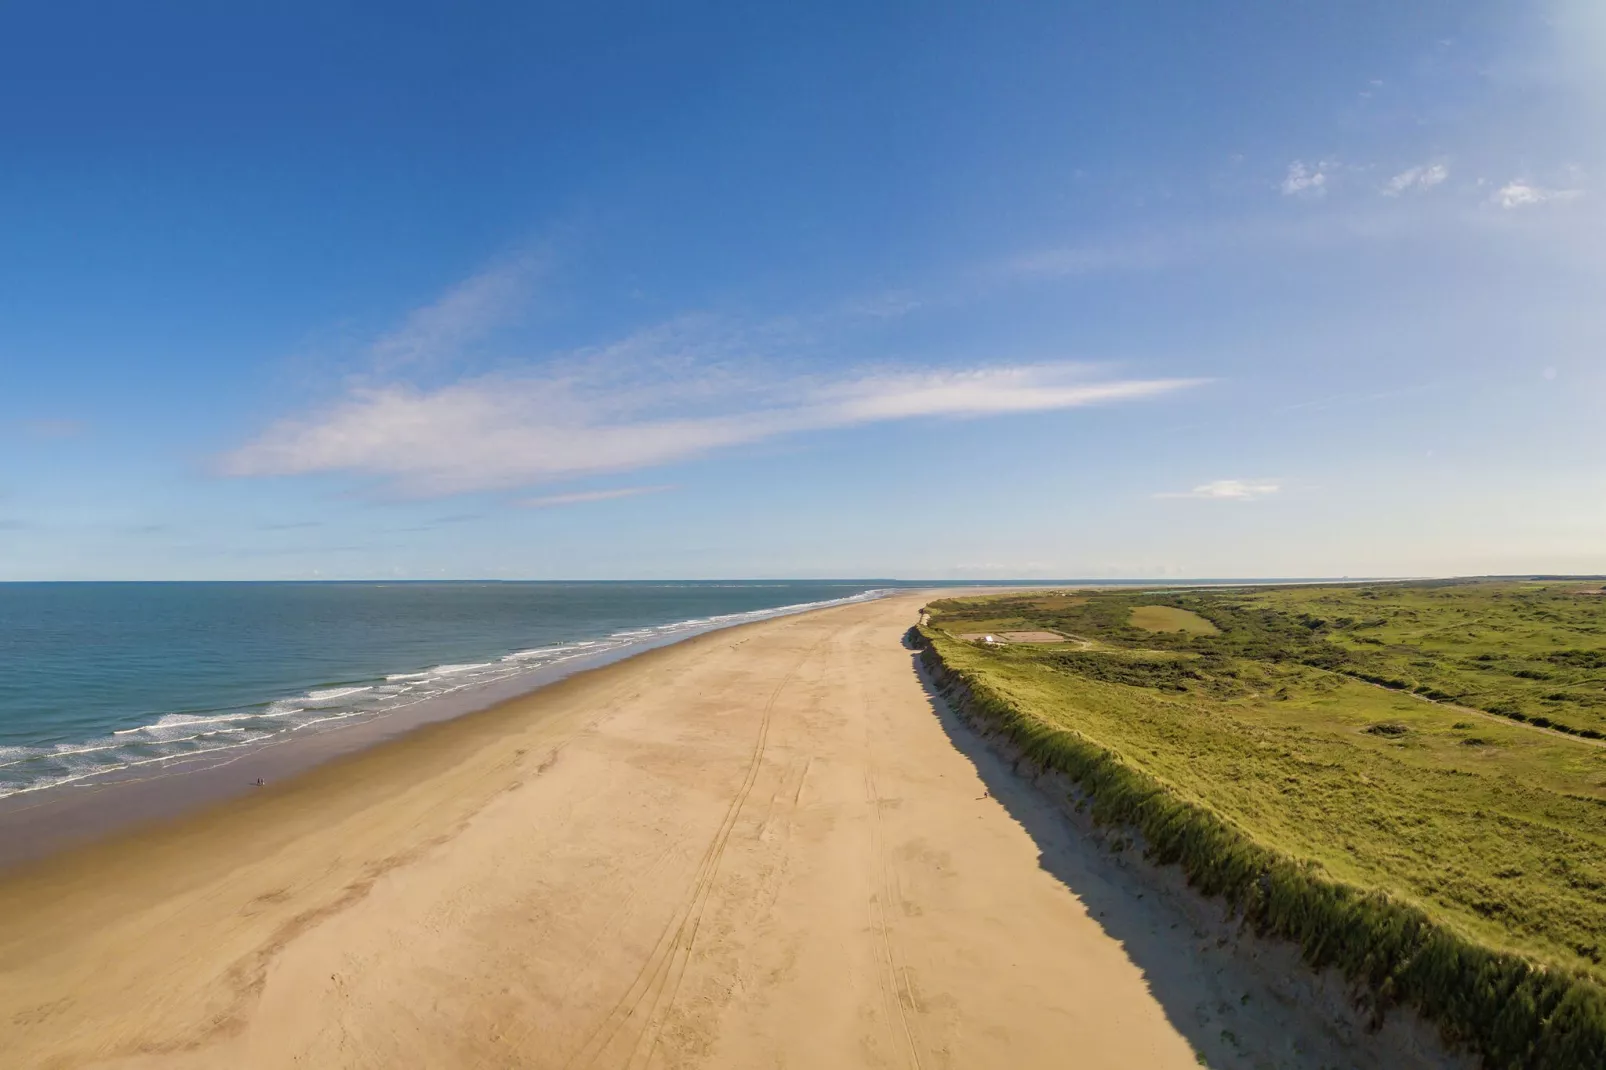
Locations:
{"points": [[1451, 214], [1308, 180], [1228, 490], [500, 433], [1420, 179], [581, 497], [463, 315], [1520, 194], [681, 390]]}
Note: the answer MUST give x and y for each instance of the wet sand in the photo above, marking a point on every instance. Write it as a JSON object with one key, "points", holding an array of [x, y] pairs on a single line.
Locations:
{"points": [[37, 823], [760, 847]]}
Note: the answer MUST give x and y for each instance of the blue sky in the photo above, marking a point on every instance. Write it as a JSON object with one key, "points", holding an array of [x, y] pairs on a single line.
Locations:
{"points": [[701, 290]]}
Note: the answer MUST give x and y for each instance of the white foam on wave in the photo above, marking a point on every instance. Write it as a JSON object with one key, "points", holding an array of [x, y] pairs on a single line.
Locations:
{"points": [[10, 756], [78, 756], [538, 652], [330, 694], [194, 736], [186, 720], [60, 751], [453, 670], [73, 775]]}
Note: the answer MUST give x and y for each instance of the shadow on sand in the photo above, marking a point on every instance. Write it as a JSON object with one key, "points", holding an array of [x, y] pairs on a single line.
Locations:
{"points": [[1239, 1000]]}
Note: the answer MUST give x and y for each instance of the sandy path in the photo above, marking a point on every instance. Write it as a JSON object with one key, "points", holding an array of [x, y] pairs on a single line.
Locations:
{"points": [[758, 848]]}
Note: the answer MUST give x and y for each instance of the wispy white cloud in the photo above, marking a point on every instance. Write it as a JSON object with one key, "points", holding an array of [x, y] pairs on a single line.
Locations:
{"points": [[1308, 180], [972, 393], [1456, 213], [550, 501], [680, 390], [1229, 490], [1521, 193], [613, 415], [463, 315], [1418, 179]]}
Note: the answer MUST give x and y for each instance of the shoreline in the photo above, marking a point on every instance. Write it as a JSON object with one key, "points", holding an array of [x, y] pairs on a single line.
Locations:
{"points": [[770, 844], [205, 900], [37, 824]]}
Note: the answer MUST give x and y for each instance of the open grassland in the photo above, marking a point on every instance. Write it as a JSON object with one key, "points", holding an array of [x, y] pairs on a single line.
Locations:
{"points": [[1170, 619], [1374, 738], [1529, 652]]}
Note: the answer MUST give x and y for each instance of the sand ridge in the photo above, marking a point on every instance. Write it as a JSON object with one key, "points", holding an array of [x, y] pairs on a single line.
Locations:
{"points": [[755, 848]]}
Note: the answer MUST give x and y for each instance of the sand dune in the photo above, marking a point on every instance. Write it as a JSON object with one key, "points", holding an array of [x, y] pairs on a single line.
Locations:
{"points": [[756, 848]]}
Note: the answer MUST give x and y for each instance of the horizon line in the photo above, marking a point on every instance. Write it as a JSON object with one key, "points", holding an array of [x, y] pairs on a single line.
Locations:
{"points": [[916, 581]]}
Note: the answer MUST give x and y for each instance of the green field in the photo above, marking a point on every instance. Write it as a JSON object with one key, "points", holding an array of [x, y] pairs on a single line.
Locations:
{"points": [[1399, 738], [1169, 619]]}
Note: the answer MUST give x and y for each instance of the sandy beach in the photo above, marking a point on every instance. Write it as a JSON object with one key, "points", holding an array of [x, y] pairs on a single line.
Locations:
{"points": [[760, 847]]}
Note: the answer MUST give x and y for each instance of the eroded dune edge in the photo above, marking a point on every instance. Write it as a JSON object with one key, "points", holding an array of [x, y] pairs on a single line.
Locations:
{"points": [[1395, 960]]}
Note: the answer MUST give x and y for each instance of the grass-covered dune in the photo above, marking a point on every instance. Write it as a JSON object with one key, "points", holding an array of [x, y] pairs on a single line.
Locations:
{"points": [[1356, 767]]}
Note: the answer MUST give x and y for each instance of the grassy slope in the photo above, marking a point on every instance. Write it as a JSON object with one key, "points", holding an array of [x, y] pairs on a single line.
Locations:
{"points": [[1496, 830]]}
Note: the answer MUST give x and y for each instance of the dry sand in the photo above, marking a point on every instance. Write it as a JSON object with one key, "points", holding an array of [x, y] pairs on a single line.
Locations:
{"points": [[757, 848]]}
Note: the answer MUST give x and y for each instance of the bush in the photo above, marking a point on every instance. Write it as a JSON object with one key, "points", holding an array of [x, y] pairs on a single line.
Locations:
{"points": [[1167, 674]]}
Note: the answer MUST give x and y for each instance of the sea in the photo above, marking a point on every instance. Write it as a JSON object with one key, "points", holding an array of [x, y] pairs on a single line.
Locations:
{"points": [[100, 681]]}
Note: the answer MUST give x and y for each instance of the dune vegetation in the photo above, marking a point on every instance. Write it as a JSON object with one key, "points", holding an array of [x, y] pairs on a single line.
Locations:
{"points": [[1408, 779]]}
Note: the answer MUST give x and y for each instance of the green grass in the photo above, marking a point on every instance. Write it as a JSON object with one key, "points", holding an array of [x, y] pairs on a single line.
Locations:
{"points": [[1268, 736], [1170, 619]]}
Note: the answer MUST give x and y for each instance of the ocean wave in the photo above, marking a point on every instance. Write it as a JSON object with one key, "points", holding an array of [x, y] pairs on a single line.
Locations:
{"points": [[215, 735], [330, 694], [453, 670], [186, 720], [526, 655]]}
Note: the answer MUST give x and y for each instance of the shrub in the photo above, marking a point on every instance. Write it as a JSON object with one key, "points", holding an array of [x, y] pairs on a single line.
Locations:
{"points": [[1387, 728]]}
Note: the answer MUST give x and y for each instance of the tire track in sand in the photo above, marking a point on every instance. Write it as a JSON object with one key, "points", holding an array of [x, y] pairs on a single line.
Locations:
{"points": [[897, 993], [892, 974], [657, 983]]}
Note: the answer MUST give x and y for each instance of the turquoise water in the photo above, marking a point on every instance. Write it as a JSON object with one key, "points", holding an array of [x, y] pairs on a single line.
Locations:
{"points": [[101, 678]]}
